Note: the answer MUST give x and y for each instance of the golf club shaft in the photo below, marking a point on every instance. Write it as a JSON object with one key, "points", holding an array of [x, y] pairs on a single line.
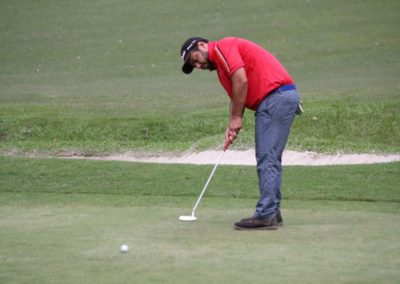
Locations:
{"points": [[208, 181]]}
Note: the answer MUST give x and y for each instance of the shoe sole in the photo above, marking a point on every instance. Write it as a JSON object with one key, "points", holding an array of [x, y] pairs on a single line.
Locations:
{"points": [[257, 229], [279, 224]]}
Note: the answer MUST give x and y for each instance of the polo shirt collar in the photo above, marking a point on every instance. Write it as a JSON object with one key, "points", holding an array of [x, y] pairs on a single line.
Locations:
{"points": [[211, 49]]}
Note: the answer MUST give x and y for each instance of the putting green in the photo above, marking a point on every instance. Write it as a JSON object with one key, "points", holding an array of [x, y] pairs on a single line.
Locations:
{"points": [[81, 244]]}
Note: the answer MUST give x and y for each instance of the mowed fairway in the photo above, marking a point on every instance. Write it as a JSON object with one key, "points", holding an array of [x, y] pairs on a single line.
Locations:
{"points": [[64, 222], [102, 77]]}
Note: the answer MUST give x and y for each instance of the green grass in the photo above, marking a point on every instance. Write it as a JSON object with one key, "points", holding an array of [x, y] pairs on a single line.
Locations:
{"points": [[104, 77], [64, 220], [81, 245], [347, 183]]}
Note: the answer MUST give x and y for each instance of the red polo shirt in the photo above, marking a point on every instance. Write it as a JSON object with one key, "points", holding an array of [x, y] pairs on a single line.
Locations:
{"points": [[264, 72]]}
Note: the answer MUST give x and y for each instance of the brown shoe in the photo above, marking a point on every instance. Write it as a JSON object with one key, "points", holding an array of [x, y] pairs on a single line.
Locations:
{"points": [[257, 224], [279, 218]]}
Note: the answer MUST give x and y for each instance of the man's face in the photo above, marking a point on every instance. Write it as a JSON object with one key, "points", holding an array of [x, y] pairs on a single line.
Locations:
{"points": [[199, 58]]}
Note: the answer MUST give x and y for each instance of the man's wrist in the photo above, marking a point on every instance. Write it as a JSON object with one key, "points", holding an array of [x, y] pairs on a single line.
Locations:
{"points": [[237, 112]]}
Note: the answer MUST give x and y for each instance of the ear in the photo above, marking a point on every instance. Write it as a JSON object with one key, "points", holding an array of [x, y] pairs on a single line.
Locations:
{"points": [[202, 46]]}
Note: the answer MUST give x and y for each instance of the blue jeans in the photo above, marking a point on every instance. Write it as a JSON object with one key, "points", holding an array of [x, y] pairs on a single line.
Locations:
{"points": [[274, 117]]}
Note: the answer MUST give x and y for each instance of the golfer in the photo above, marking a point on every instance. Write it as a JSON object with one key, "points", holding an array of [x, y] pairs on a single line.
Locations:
{"points": [[253, 78]]}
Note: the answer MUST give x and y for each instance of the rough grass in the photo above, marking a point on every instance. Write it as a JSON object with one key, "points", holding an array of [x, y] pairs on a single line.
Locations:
{"points": [[348, 183]]}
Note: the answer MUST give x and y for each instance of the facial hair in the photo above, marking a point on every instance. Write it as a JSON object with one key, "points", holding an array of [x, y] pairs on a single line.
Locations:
{"points": [[210, 65]]}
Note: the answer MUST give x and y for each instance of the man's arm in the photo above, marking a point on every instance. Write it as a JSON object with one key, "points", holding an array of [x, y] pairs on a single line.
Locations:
{"points": [[238, 99]]}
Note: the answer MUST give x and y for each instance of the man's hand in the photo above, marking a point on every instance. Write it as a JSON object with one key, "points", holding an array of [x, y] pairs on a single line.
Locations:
{"points": [[229, 138], [235, 124], [232, 131]]}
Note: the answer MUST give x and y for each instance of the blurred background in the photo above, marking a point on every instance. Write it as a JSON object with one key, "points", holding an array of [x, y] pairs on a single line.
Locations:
{"points": [[97, 77]]}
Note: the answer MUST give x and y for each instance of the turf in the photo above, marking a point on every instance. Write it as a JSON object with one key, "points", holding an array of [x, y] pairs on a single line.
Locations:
{"points": [[75, 244], [64, 220], [348, 183], [94, 77], [101, 77]]}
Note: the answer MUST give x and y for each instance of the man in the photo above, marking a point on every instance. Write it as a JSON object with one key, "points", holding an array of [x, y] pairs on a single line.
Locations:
{"points": [[253, 78]]}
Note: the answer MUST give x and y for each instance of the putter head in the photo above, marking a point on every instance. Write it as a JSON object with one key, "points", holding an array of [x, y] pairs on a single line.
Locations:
{"points": [[187, 218]]}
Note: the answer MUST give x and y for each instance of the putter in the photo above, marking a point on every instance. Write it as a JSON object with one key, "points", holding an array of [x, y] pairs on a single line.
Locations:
{"points": [[192, 217]]}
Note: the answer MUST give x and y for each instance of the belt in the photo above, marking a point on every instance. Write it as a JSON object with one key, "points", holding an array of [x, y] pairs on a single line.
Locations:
{"points": [[284, 88]]}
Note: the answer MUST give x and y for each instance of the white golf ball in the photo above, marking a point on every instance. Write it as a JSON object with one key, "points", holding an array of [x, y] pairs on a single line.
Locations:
{"points": [[124, 248]]}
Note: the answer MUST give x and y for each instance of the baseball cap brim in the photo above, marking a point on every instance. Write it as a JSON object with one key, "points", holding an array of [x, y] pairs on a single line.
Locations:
{"points": [[187, 68]]}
